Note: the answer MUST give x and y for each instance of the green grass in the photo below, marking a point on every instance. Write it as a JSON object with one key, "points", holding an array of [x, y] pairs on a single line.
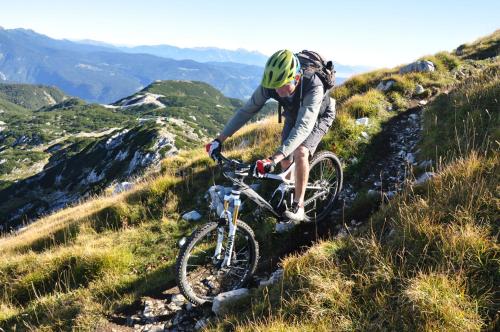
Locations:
{"points": [[369, 104]]}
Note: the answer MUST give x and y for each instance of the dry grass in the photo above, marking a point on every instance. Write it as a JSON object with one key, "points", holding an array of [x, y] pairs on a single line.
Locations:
{"points": [[440, 302]]}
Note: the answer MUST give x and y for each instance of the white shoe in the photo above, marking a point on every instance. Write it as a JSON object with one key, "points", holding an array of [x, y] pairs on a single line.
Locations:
{"points": [[296, 214]]}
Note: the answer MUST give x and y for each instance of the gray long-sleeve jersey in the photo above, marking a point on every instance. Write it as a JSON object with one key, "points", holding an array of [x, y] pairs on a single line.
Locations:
{"points": [[307, 115]]}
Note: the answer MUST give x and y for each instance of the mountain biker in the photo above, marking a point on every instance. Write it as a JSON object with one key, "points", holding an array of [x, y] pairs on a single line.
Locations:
{"points": [[308, 111]]}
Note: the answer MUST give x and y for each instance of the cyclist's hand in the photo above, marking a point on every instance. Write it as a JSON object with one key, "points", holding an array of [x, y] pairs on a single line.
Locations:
{"points": [[263, 166], [214, 148]]}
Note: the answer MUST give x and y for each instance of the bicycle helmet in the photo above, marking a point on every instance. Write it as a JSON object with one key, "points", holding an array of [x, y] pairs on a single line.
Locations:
{"points": [[280, 69]]}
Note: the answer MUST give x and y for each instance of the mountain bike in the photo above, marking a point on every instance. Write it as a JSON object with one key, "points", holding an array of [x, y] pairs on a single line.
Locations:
{"points": [[222, 256]]}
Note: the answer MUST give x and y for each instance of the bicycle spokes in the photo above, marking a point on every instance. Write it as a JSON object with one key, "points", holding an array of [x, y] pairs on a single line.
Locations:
{"points": [[205, 270]]}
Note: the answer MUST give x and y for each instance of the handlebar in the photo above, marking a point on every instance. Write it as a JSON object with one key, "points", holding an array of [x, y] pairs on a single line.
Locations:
{"points": [[233, 165]]}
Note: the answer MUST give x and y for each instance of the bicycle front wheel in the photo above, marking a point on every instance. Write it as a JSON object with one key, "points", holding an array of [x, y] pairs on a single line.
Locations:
{"points": [[200, 275], [325, 176]]}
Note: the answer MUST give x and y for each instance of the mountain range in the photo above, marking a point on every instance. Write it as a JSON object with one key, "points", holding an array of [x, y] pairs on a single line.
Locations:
{"points": [[214, 54], [100, 72]]}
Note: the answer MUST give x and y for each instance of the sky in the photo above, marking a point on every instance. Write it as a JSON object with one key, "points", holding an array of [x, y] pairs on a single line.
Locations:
{"points": [[381, 33]]}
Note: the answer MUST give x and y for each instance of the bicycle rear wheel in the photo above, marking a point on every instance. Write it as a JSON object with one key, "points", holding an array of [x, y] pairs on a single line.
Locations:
{"points": [[325, 173], [200, 276]]}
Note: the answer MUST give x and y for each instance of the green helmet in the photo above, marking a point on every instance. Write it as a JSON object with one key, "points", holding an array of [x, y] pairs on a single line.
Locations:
{"points": [[280, 69]]}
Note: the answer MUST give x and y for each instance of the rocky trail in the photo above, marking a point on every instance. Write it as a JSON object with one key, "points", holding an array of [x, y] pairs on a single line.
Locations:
{"points": [[389, 172]]}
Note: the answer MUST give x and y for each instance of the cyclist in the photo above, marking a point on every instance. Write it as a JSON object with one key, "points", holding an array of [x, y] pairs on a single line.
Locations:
{"points": [[308, 111]]}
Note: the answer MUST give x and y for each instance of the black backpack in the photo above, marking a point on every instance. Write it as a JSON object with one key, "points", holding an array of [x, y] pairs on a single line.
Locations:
{"points": [[313, 63]]}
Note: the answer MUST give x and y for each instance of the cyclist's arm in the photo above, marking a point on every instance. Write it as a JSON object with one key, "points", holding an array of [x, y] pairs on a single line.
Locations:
{"points": [[306, 118], [243, 115]]}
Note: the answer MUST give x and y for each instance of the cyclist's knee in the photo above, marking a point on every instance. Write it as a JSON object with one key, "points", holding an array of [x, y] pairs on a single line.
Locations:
{"points": [[301, 153]]}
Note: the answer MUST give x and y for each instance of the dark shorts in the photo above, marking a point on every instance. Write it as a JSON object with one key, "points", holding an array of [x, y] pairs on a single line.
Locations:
{"points": [[321, 127], [312, 141]]}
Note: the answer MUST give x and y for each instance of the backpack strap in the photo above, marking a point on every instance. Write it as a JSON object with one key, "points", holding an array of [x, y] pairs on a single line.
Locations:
{"points": [[306, 79]]}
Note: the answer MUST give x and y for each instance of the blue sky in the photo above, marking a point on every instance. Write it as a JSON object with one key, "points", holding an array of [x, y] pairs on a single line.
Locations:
{"points": [[381, 33]]}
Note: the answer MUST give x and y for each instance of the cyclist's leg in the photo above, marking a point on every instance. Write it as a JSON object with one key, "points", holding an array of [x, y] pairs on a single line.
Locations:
{"points": [[301, 157]]}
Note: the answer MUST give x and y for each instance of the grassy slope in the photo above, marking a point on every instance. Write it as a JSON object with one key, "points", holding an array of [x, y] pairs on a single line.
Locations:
{"points": [[89, 260], [31, 96]]}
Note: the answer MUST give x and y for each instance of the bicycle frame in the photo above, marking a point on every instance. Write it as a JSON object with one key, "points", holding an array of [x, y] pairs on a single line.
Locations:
{"points": [[239, 187]]}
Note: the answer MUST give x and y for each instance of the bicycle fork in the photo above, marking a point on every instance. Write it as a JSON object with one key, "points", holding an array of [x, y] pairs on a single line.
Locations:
{"points": [[231, 217]]}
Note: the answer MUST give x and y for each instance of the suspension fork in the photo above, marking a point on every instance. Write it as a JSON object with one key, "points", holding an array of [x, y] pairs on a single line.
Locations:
{"points": [[231, 217]]}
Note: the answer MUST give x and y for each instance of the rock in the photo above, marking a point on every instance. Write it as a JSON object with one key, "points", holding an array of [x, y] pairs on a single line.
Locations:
{"points": [[173, 307], [425, 177], [191, 216], [385, 85], [422, 102], [413, 116], [365, 135], [283, 227], [460, 50], [132, 320], [274, 278], [390, 194], [123, 186], [178, 299], [363, 121], [425, 164], [202, 323], [419, 89], [418, 66], [342, 233], [224, 299], [156, 328], [410, 158]]}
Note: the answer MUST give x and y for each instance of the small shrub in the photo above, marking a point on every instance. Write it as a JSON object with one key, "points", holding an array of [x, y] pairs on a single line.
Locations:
{"points": [[398, 101], [369, 104], [404, 85]]}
